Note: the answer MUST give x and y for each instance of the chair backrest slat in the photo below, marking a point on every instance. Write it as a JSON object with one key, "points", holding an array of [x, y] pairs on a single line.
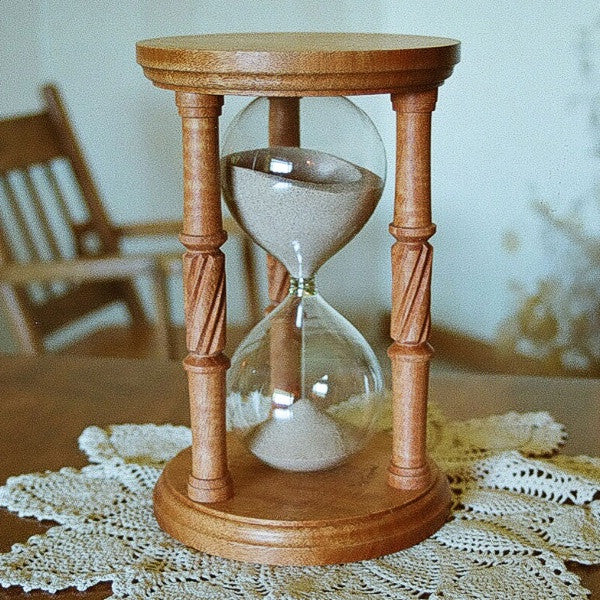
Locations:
{"points": [[26, 336], [61, 203], [43, 222], [105, 231], [7, 250], [70, 148], [24, 247], [60, 310], [27, 246]]}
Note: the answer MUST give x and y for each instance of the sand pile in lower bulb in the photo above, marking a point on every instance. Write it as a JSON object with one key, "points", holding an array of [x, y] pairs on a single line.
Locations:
{"points": [[300, 205], [308, 440]]}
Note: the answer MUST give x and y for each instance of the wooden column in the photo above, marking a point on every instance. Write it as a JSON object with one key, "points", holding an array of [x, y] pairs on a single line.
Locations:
{"points": [[204, 295], [410, 351], [286, 342], [284, 130]]}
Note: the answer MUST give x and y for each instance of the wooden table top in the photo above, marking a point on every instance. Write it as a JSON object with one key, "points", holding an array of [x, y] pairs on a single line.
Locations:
{"points": [[46, 402]]}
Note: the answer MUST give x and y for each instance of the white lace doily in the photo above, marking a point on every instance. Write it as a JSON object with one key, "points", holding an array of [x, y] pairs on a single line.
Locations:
{"points": [[516, 518]]}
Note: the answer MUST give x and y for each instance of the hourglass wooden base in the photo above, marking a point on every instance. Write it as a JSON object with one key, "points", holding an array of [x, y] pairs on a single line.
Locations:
{"points": [[287, 518]]}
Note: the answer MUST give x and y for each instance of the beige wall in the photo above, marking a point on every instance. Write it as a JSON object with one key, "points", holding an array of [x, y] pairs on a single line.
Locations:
{"points": [[508, 130]]}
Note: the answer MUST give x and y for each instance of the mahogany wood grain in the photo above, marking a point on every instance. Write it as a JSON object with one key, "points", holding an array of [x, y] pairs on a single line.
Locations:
{"points": [[204, 295], [297, 64], [285, 343], [284, 130], [291, 518], [412, 256], [37, 392]]}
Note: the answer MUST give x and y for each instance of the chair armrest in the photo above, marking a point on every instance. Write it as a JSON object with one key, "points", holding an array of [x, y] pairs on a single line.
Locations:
{"points": [[230, 225], [170, 262], [149, 228], [80, 270], [171, 228]]}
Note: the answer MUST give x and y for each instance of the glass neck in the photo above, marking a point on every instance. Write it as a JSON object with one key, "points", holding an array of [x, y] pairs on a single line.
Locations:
{"points": [[302, 287]]}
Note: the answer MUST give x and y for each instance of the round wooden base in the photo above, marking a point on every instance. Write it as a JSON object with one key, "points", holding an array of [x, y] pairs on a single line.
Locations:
{"points": [[284, 518]]}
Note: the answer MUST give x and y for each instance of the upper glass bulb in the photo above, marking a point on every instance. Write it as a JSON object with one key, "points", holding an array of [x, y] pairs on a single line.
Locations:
{"points": [[303, 204]]}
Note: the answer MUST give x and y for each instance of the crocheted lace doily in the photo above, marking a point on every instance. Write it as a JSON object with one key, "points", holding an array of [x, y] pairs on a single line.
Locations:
{"points": [[517, 517]]}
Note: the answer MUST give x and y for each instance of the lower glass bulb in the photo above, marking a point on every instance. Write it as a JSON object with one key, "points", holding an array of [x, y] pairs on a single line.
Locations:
{"points": [[304, 387]]}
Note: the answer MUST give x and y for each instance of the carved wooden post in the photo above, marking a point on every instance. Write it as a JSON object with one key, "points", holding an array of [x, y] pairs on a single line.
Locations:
{"points": [[204, 295], [278, 282], [284, 130], [410, 352], [286, 343]]}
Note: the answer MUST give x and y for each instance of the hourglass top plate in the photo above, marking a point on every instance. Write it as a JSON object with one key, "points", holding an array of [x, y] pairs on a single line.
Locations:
{"points": [[297, 64]]}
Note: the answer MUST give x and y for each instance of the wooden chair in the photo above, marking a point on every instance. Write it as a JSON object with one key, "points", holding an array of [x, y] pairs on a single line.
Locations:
{"points": [[60, 255]]}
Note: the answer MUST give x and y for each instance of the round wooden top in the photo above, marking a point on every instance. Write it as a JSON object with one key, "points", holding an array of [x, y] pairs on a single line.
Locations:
{"points": [[298, 64]]}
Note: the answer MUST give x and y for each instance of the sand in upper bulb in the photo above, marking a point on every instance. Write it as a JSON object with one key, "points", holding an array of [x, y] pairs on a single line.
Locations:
{"points": [[300, 205]]}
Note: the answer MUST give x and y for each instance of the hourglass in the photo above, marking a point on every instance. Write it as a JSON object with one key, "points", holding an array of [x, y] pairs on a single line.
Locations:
{"points": [[305, 475]]}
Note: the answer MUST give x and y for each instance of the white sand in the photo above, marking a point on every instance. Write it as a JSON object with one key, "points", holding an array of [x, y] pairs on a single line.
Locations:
{"points": [[308, 440], [303, 217]]}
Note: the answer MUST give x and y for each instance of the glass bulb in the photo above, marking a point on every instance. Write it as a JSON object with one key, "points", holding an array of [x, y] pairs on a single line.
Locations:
{"points": [[303, 204], [304, 387]]}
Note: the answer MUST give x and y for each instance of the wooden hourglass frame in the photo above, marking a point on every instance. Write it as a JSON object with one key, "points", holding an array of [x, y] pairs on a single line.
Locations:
{"points": [[215, 496]]}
